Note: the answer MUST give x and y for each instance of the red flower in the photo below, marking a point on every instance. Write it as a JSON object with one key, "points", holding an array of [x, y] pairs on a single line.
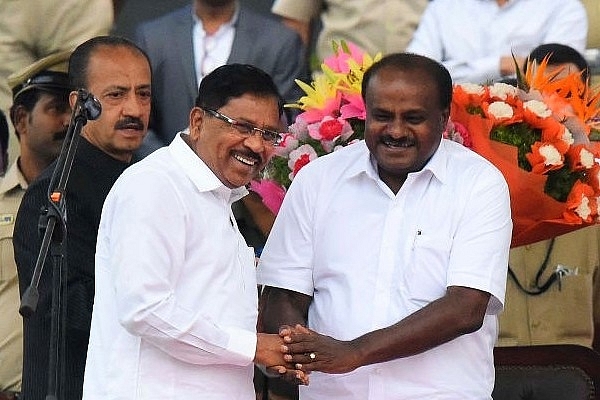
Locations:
{"points": [[300, 162], [330, 129]]}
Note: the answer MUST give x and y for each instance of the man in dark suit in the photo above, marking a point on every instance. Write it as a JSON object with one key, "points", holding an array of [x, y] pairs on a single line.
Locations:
{"points": [[190, 42]]}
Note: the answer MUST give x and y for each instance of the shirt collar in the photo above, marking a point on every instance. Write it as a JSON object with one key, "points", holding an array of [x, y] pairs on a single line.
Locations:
{"points": [[199, 173], [13, 179], [229, 24], [437, 164]]}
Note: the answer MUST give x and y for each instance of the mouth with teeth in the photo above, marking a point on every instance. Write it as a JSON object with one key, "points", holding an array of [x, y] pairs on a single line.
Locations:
{"points": [[397, 143], [250, 161]]}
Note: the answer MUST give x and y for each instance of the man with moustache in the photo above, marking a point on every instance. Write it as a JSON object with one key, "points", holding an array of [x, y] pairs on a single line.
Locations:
{"points": [[188, 43], [408, 311], [176, 294], [40, 115], [118, 73]]}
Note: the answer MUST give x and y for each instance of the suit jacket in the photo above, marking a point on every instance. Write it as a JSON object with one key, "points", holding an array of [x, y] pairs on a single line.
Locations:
{"points": [[259, 40]]}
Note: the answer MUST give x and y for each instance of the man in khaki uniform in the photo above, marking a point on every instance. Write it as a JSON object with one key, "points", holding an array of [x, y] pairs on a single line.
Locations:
{"points": [[33, 29], [568, 311], [553, 293], [40, 115], [374, 25]]}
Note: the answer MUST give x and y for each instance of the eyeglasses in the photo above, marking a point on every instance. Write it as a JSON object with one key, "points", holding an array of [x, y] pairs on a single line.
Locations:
{"points": [[247, 129]]}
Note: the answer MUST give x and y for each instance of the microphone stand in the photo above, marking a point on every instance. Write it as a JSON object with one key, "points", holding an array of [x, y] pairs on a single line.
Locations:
{"points": [[54, 216]]}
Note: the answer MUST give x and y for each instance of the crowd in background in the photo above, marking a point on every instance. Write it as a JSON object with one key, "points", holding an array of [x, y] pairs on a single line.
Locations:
{"points": [[282, 38]]}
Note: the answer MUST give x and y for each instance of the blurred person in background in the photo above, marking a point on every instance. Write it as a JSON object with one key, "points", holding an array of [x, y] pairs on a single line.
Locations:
{"points": [[476, 40], [553, 288], [375, 26], [190, 42], [40, 114], [33, 29]]}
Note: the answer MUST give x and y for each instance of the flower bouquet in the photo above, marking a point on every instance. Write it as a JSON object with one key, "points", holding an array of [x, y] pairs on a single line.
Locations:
{"points": [[333, 115], [537, 135]]}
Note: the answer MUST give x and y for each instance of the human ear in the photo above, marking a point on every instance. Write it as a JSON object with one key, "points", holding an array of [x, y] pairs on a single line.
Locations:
{"points": [[196, 119]]}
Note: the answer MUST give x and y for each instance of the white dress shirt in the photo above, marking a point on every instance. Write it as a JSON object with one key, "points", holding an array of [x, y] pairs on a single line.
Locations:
{"points": [[470, 36], [176, 299], [211, 51], [370, 258]]}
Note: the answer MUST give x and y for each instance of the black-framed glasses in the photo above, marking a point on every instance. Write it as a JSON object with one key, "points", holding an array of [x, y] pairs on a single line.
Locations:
{"points": [[246, 129]]}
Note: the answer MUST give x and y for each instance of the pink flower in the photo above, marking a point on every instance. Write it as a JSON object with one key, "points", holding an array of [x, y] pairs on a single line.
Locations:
{"points": [[354, 107], [457, 132], [339, 61], [271, 193], [288, 143], [331, 108]]}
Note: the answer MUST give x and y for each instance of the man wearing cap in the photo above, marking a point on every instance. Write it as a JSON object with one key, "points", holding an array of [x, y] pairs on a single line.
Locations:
{"points": [[33, 29], [117, 72], [40, 115]]}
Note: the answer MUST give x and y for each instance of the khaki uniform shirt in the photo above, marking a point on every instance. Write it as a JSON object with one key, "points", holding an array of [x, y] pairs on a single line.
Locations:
{"points": [[564, 314], [592, 8], [374, 25], [12, 188], [33, 29]]}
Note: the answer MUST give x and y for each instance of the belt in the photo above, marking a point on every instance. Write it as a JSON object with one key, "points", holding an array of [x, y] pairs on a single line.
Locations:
{"points": [[9, 395]]}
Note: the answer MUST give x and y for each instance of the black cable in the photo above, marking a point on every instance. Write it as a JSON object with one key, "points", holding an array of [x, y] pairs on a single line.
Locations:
{"points": [[537, 288]]}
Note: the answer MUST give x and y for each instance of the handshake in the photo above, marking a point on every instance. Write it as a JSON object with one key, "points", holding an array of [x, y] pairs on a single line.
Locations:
{"points": [[296, 351]]}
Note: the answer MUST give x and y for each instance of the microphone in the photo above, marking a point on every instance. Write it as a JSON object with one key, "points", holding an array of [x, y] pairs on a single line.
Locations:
{"points": [[89, 104]]}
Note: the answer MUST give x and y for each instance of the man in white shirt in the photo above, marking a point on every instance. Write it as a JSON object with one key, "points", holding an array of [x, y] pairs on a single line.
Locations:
{"points": [[476, 39], [394, 250], [176, 296]]}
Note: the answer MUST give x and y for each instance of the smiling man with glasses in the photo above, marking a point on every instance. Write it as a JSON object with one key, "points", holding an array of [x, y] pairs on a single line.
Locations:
{"points": [[176, 293], [246, 129]]}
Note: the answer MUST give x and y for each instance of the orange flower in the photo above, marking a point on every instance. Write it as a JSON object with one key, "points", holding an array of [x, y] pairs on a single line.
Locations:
{"points": [[582, 205]]}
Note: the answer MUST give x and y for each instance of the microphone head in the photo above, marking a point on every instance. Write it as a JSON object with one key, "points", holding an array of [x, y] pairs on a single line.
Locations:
{"points": [[89, 104]]}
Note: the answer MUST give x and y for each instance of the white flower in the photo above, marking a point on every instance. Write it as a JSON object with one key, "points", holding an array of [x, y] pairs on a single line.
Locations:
{"points": [[551, 155], [587, 158], [502, 90], [287, 144], [295, 155], [567, 137], [537, 107], [500, 110], [299, 128], [583, 209], [472, 88]]}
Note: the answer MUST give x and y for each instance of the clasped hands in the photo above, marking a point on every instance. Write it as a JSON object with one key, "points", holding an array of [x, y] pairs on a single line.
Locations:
{"points": [[305, 350]]}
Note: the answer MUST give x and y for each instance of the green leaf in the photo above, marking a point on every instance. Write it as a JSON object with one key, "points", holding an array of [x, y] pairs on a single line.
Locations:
{"points": [[560, 182], [520, 135]]}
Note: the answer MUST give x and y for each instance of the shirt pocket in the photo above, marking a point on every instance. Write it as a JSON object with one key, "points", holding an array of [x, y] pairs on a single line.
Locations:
{"points": [[425, 275], [8, 269]]}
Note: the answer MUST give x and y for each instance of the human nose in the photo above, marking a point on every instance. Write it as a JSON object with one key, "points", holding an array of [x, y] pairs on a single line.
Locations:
{"points": [[132, 106], [66, 117], [396, 128], [256, 142]]}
